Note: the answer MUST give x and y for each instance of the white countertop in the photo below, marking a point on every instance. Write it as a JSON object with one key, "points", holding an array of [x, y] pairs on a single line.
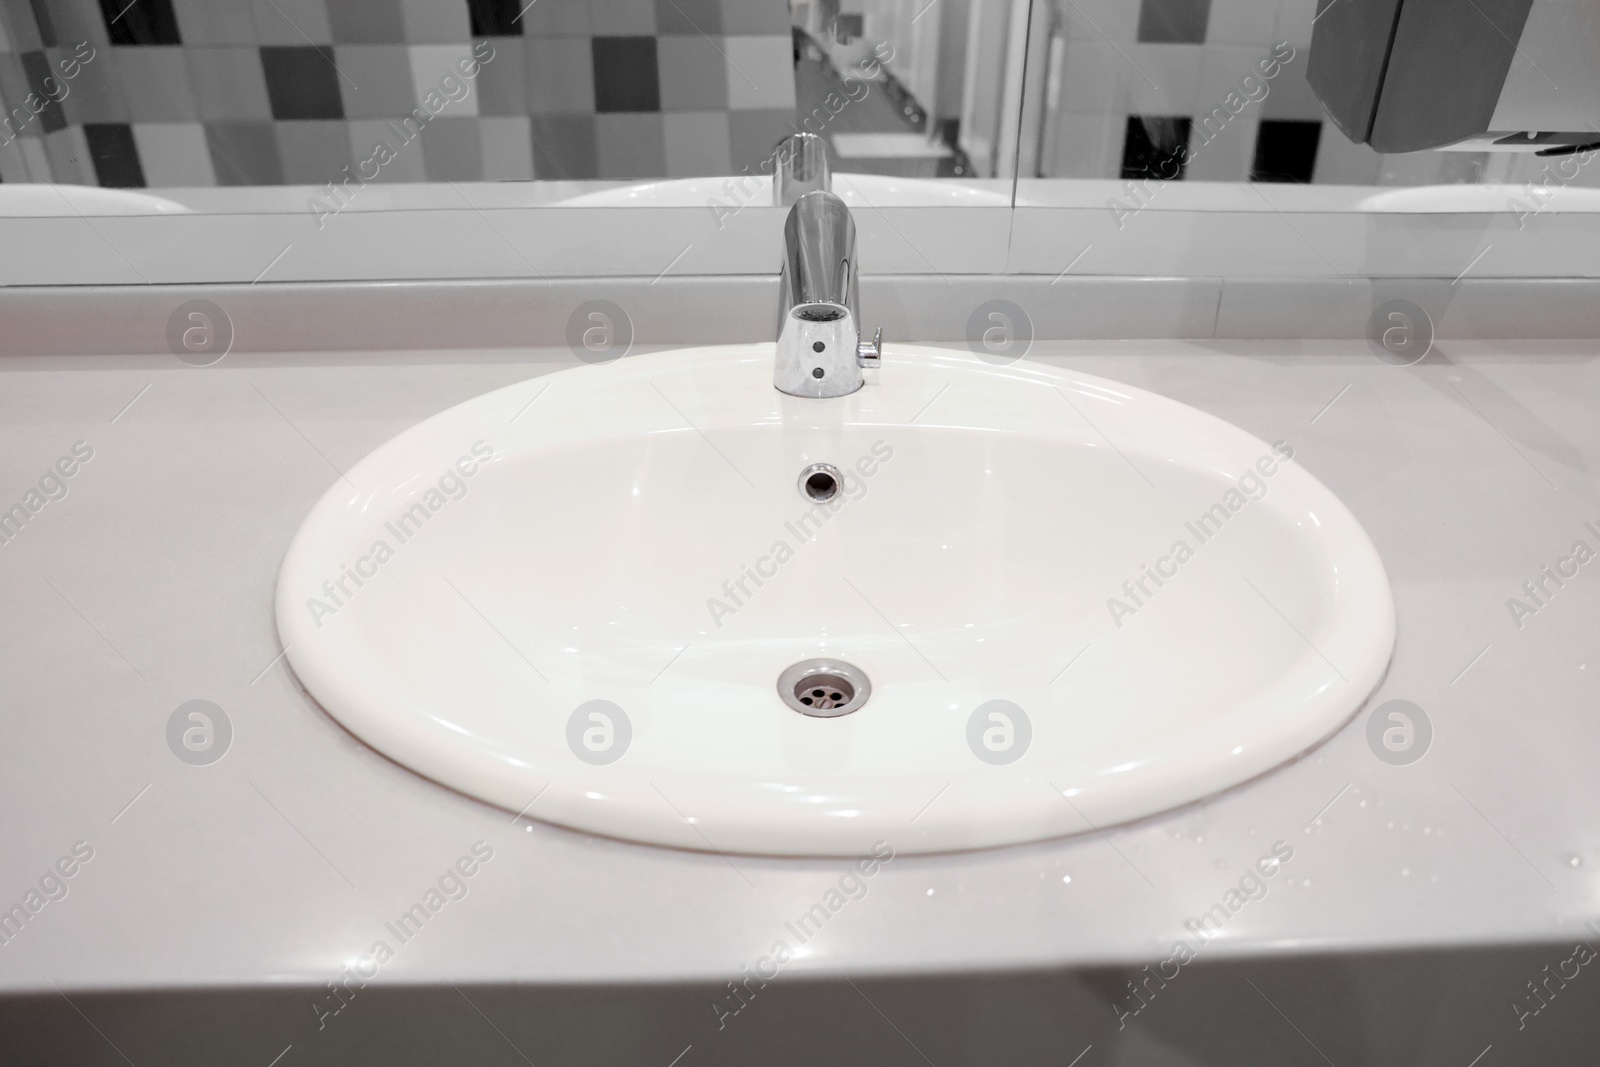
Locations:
{"points": [[150, 584]]}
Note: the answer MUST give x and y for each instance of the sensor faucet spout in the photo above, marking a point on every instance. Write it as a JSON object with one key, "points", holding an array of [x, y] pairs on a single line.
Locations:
{"points": [[820, 352]]}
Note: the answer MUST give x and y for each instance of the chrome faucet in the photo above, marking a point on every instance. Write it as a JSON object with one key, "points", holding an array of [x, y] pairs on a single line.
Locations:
{"points": [[820, 351]]}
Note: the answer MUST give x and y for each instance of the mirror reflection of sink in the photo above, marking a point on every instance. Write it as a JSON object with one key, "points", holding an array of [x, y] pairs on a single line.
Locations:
{"points": [[29, 199], [857, 190], [1029, 602], [1479, 198]]}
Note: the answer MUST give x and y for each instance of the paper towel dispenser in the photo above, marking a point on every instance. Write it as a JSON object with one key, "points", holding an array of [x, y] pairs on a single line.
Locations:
{"points": [[1408, 75]]}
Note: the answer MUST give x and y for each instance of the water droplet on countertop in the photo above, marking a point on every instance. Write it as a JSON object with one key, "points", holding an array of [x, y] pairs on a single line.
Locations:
{"points": [[1221, 864], [930, 892], [1066, 879], [1405, 872], [1574, 860], [1305, 882], [1391, 824], [1363, 803], [1199, 839]]}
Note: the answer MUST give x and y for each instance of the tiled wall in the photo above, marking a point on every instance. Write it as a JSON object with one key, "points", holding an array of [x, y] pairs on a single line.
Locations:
{"points": [[1136, 77], [250, 92]]}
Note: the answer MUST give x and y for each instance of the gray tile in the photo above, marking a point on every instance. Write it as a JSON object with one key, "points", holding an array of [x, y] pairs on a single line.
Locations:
{"points": [[631, 145], [560, 76], [564, 147], [366, 21], [692, 74], [293, 21], [697, 143], [244, 153], [313, 151], [754, 134], [507, 148], [452, 151], [755, 16], [79, 20], [174, 154], [404, 163], [228, 83], [437, 21], [557, 18], [689, 17], [623, 18], [380, 84], [156, 81], [97, 94], [1173, 21], [502, 83], [216, 21]]}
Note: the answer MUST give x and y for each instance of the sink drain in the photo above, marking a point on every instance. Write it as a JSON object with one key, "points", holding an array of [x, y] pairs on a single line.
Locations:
{"points": [[820, 482], [825, 688]]}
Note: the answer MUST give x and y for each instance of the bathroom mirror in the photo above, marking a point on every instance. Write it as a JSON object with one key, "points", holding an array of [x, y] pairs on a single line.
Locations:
{"points": [[130, 94]]}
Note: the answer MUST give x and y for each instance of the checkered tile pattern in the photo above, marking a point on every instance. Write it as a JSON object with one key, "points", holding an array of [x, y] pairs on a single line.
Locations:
{"points": [[262, 92]]}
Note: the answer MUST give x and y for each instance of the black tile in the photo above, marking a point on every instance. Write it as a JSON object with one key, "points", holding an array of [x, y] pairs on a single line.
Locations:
{"points": [[1173, 21], [37, 69], [47, 26], [496, 18], [116, 159], [1153, 147], [625, 74], [1286, 151], [140, 21], [301, 82], [686, 17]]}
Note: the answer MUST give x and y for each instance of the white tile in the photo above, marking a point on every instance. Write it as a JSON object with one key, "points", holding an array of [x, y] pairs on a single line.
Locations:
{"points": [[1100, 20], [173, 154], [1294, 23], [1095, 77], [1340, 161], [1227, 156], [507, 148], [1166, 78], [432, 64], [760, 72]]}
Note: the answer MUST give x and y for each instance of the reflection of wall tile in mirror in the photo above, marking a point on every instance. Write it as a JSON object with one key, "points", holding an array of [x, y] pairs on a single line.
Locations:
{"points": [[625, 77], [244, 153], [697, 143], [451, 150], [229, 83], [216, 22], [174, 153], [502, 83], [564, 147], [365, 21], [744, 16], [690, 16], [156, 81], [507, 149], [560, 76], [631, 145], [302, 82], [150, 22], [406, 165], [433, 22], [292, 21], [116, 160], [617, 18], [313, 151], [1173, 21], [431, 64], [1286, 151], [380, 80], [753, 135], [1100, 20], [692, 74], [760, 72]]}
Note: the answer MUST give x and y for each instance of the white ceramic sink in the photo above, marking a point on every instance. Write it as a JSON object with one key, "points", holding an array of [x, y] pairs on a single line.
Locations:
{"points": [[856, 190], [589, 536]]}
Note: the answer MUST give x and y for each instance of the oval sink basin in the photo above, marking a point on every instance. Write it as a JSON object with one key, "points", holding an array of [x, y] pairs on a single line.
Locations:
{"points": [[1066, 603]]}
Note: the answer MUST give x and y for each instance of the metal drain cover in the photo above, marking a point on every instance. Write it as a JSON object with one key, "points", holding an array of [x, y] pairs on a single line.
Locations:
{"points": [[825, 688]]}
